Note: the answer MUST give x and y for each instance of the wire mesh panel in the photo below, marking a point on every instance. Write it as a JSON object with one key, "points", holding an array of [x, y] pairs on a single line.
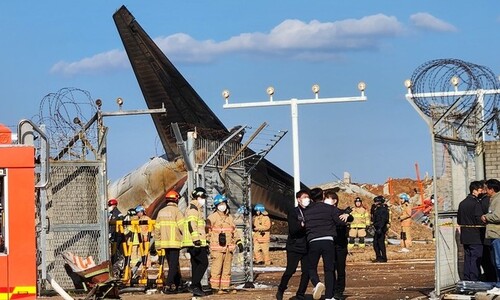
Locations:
{"points": [[234, 183], [447, 261], [455, 169], [75, 217]]}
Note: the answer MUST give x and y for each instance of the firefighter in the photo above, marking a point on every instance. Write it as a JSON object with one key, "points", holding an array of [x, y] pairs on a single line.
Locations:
{"points": [[113, 212], [141, 234], [261, 235], [141, 215], [405, 219], [358, 226], [223, 239], [195, 239], [131, 240], [168, 238], [115, 237]]}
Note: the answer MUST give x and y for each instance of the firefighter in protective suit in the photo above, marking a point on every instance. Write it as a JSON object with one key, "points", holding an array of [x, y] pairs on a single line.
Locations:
{"points": [[261, 235], [223, 239], [115, 237], [405, 219], [143, 229], [131, 247], [168, 238], [142, 236], [358, 225], [195, 239]]}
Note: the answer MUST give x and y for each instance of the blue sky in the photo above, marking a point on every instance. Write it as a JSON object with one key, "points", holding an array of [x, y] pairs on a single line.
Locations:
{"points": [[246, 47]]}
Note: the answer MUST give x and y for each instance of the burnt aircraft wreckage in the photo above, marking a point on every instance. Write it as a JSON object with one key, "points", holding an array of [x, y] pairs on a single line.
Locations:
{"points": [[163, 86]]}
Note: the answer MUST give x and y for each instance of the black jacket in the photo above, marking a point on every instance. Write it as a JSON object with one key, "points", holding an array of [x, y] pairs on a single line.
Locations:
{"points": [[342, 232], [296, 241], [321, 220], [380, 218], [485, 204], [468, 217]]}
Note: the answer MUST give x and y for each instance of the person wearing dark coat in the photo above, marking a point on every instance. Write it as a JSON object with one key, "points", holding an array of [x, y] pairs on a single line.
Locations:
{"points": [[296, 247], [472, 231], [321, 220], [380, 220], [341, 242], [115, 237]]}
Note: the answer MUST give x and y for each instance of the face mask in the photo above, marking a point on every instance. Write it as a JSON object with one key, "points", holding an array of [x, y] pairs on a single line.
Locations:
{"points": [[110, 208], [201, 201], [306, 202], [221, 208], [329, 201]]}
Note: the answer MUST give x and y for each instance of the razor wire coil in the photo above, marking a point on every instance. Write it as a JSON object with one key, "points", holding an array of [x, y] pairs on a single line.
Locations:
{"points": [[64, 113], [434, 77]]}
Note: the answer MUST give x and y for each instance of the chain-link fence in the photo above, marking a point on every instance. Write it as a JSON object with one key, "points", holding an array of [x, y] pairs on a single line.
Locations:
{"points": [[234, 183], [74, 217]]}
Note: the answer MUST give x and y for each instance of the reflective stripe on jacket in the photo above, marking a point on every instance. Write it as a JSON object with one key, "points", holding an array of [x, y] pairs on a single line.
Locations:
{"points": [[222, 223], [194, 225], [405, 217], [168, 227], [361, 218], [131, 231], [262, 227], [143, 229]]}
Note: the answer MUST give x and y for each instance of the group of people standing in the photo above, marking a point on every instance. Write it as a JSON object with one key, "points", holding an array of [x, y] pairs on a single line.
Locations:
{"points": [[174, 230], [319, 229], [215, 236], [478, 218]]}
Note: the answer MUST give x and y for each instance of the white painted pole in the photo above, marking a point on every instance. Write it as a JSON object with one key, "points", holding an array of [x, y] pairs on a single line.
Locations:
{"points": [[294, 102], [295, 141]]}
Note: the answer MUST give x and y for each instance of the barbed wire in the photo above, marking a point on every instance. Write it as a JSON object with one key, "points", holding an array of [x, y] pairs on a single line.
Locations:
{"points": [[58, 111], [434, 77]]}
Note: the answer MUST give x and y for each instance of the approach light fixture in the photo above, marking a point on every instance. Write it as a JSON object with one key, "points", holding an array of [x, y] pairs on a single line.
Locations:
{"points": [[119, 101], [361, 86], [407, 83], [98, 102], [270, 91], [315, 89], [226, 94], [454, 80], [77, 121]]}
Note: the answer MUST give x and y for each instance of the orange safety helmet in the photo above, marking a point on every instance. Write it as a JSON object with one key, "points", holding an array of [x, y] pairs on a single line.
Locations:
{"points": [[112, 202], [172, 196]]}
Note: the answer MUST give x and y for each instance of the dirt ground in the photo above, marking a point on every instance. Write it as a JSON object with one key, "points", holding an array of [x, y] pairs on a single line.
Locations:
{"points": [[404, 276]]}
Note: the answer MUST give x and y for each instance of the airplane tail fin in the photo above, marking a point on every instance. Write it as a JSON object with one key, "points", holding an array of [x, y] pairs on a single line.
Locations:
{"points": [[163, 85]]}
